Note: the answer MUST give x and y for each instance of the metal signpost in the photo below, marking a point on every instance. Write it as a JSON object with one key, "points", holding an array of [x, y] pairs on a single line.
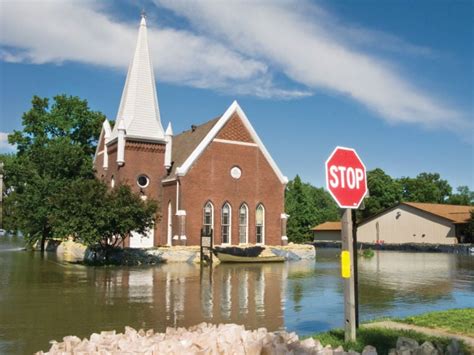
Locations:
{"points": [[206, 247], [346, 181]]}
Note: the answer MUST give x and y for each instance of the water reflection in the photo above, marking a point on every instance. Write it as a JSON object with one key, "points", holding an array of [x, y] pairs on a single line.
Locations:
{"points": [[42, 298], [412, 278]]}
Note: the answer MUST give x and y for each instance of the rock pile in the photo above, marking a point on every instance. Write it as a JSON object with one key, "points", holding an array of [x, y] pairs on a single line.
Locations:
{"points": [[203, 339], [407, 346]]}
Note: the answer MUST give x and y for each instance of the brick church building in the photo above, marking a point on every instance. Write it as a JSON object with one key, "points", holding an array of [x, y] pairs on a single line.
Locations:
{"points": [[216, 176]]}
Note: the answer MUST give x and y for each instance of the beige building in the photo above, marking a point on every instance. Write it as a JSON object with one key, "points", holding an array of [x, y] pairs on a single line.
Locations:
{"points": [[410, 222], [327, 232]]}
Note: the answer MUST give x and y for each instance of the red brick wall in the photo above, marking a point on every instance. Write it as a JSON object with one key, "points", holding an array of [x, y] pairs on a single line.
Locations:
{"points": [[140, 158], [210, 179]]}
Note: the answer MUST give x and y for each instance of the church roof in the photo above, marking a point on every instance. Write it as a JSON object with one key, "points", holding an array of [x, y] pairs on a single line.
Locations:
{"points": [[186, 142], [139, 108]]}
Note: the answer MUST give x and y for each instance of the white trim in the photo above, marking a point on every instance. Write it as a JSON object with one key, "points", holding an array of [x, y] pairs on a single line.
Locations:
{"points": [[284, 237], [284, 216], [105, 133], [169, 146], [169, 234], [135, 138], [101, 136], [183, 237], [168, 180], [147, 181], [181, 213], [101, 152], [177, 195], [327, 175], [175, 237], [233, 108], [218, 140]]}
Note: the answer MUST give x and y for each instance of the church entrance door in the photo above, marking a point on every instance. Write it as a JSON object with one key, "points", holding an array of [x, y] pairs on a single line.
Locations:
{"points": [[138, 240]]}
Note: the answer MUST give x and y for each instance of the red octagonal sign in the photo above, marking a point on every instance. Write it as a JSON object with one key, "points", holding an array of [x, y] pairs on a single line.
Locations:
{"points": [[346, 177]]}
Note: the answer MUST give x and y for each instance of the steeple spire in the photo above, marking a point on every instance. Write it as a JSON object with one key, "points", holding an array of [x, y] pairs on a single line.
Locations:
{"points": [[139, 107]]}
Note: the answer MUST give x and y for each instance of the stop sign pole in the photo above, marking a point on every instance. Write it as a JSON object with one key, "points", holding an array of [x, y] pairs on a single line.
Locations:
{"points": [[346, 181]]}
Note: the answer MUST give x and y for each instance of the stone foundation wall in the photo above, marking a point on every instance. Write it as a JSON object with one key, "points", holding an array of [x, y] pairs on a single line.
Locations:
{"points": [[71, 251]]}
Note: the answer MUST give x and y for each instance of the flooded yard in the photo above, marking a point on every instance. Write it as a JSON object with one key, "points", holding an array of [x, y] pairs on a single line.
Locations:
{"points": [[42, 298]]}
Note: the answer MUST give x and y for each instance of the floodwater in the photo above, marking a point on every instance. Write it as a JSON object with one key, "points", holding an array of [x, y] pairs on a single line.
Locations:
{"points": [[42, 298]]}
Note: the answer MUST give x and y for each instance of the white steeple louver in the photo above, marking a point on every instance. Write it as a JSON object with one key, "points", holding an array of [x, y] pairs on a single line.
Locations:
{"points": [[169, 145], [139, 108]]}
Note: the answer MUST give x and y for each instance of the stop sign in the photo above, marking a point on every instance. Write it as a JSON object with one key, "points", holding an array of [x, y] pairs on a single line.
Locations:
{"points": [[346, 178]]}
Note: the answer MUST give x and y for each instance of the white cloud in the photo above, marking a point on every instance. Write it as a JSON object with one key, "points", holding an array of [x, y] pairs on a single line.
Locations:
{"points": [[58, 31], [290, 37], [236, 47], [5, 147]]}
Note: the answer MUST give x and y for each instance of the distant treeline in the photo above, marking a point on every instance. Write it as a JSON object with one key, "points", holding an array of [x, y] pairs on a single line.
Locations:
{"points": [[309, 206]]}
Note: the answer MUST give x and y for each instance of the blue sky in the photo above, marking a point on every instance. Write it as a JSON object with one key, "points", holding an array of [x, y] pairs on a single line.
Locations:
{"points": [[392, 79]]}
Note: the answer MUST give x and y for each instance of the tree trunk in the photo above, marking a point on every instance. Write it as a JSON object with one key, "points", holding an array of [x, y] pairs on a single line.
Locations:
{"points": [[43, 243], [106, 251]]}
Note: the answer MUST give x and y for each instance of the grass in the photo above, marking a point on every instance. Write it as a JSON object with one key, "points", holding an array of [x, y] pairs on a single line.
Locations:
{"points": [[382, 339], [459, 321], [368, 253]]}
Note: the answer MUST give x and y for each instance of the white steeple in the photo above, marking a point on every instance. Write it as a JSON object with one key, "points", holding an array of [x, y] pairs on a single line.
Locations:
{"points": [[139, 108]]}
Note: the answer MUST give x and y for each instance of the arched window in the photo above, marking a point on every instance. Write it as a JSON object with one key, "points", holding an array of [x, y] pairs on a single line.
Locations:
{"points": [[260, 224], [208, 218], [243, 224], [226, 223]]}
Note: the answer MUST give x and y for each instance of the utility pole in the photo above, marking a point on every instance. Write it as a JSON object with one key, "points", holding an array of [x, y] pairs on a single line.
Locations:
{"points": [[355, 264]]}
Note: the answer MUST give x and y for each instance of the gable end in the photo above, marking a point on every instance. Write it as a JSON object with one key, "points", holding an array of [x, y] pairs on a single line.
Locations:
{"points": [[234, 130], [233, 109]]}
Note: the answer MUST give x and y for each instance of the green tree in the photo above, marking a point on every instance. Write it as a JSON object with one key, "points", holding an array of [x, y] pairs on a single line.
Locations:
{"points": [[297, 206], [68, 117], [307, 207], [96, 216], [464, 196], [426, 187], [54, 148], [324, 207], [5, 163], [384, 192]]}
